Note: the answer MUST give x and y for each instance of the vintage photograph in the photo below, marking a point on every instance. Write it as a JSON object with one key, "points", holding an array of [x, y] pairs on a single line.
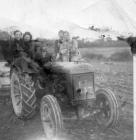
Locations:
{"points": [[66, 69]]}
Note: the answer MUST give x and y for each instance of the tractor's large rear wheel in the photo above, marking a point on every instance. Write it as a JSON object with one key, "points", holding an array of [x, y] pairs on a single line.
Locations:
{"points": [[23, 95], [51, 116], [107, 108]]}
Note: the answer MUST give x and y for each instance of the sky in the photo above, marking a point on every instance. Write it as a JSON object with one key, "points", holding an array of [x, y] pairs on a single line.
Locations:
{"points": [[46, 17], [16, 9]]}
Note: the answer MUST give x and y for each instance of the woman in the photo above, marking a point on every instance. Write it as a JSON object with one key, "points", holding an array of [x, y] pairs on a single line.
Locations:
{"points": [[58, 43], [65, 47], [28, 53], [27, 44], [17, 49], [74, 51], [17, 44]]}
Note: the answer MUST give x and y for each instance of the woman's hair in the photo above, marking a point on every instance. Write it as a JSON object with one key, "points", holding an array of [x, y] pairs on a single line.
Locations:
{"points": [[17, 31], [27, 33]]}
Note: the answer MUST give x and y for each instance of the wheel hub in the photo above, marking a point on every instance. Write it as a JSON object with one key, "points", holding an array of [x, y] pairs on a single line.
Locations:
{"points": [[104, 112]]}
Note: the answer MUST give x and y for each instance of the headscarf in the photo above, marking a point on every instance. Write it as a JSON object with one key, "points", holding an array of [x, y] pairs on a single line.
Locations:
{"points": [[27, 33]]}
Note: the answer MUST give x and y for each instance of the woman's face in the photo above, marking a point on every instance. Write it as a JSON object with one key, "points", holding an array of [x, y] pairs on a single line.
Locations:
{"points": [[27, 38], [18, 35]]}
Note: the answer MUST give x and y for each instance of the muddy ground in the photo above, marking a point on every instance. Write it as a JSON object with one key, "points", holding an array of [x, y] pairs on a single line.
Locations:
{"points": [[116, 75]]}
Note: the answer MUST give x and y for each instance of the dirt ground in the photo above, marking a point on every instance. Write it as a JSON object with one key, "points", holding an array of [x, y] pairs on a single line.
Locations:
{"points": [[116, 75]]}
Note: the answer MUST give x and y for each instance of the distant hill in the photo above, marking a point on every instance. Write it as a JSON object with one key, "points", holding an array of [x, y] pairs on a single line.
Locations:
{"points": [[101, 43]]}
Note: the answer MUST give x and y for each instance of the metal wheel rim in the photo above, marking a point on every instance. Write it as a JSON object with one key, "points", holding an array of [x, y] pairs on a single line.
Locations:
{"points": [[47, 120], [16, 94]]}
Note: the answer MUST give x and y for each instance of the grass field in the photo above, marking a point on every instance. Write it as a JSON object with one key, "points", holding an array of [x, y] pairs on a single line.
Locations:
{"points": [[107, 53], [117, 75]]}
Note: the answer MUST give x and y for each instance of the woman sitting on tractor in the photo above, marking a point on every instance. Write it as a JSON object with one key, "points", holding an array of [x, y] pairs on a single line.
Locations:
{"points": [[22, 52], [62, 46], [16, 45], [17, 49], [28, 53], [74, 50], [57, 44]]}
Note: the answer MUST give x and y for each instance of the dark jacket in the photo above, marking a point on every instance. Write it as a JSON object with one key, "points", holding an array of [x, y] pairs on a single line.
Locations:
{"points": [[28, 48], [17, 48], [42, 60], [132, 42]]}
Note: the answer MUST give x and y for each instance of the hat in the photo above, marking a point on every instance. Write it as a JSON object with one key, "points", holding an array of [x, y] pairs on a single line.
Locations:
{"points": [[27, 33]]}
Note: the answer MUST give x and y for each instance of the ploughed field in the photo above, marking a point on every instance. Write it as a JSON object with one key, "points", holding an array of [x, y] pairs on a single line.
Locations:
{"points": [[116, 75]]}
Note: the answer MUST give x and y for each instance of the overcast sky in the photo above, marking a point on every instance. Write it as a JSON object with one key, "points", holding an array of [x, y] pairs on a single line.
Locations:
{"points": [[65, 9], [45, 13]]}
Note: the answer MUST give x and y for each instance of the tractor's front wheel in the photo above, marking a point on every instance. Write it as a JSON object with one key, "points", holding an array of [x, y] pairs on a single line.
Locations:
{"points": [[107, 108], [23, 95], [51, 116]]}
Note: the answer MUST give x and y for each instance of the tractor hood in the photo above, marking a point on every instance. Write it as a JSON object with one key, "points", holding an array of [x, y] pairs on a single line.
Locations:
{"points": [[72, 67]]}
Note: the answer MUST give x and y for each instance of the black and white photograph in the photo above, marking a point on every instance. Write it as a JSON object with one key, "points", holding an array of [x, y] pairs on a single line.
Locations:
{"points": [[67, 69]]}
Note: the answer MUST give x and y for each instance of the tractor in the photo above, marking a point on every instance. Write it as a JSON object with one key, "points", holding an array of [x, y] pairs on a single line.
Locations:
{"points": [[59, 91]]}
